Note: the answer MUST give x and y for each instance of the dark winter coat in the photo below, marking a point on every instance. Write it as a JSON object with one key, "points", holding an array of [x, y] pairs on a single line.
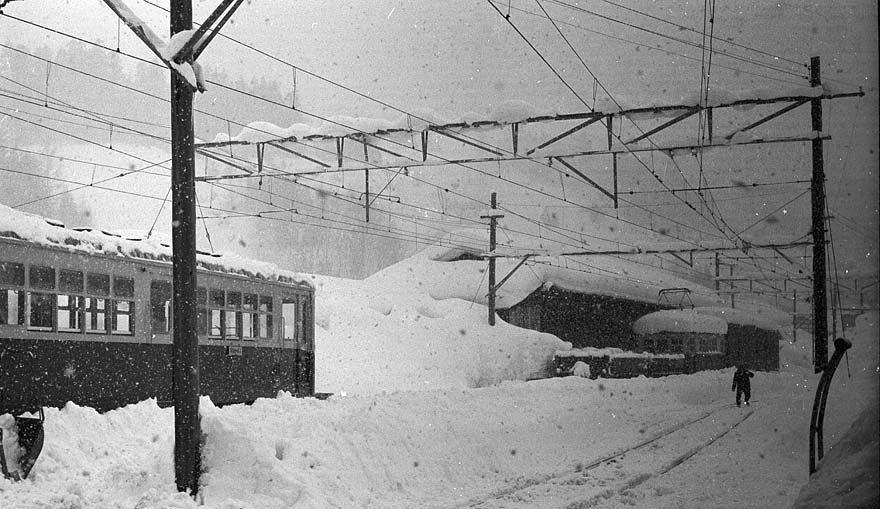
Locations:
{"points": [[741, 379]]}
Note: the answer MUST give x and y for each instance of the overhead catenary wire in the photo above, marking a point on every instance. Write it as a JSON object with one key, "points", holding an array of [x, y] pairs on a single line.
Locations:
{"points": [[253, 95]]}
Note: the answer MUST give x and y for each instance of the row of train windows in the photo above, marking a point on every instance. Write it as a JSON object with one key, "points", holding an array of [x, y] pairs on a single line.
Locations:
{"points": [[684, 345], [73, 301], [221, 314], [66, 300]]}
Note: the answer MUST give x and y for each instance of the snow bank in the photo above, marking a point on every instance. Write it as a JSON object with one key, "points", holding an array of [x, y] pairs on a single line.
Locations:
{"points": [[848, 475]]}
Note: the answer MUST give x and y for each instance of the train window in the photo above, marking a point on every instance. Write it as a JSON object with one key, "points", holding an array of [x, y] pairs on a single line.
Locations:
{"points": [[248, 324], [233, 316], [160, 306], [662, 345], [98, 284], [11, 274], [233, 299], [122, 318], [42, 278], [96, 315], [216, 299], [70, 281], [69, 312], [265, 317], [11, 300], [41, 310], [11, 307], [202, 311], [288, 318], [692, 345], [123, 287], [675, 344]]}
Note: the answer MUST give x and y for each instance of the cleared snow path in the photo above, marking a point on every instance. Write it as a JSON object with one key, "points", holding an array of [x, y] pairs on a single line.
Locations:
{"points": [[599, 482]]}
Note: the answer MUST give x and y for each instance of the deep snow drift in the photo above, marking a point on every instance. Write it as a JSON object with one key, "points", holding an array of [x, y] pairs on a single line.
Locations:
{"points": [[422, 417]]}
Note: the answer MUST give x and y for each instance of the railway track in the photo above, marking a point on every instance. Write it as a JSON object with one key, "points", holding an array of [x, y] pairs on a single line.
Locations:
{"points": [[595, 483]]}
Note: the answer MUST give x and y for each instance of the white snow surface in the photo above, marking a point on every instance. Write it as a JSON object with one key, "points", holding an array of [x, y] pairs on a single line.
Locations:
{"points": [[514, 444], [679, 320], [431, 408]]}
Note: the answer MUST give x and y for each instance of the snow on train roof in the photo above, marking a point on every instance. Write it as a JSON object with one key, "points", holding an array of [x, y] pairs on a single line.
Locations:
{"points": [[15, 224], [679, 320], [456, 272], [766, 317]]}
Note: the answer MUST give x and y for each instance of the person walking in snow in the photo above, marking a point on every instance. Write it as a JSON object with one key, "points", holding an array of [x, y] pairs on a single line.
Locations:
{"points": [[742, 385]]}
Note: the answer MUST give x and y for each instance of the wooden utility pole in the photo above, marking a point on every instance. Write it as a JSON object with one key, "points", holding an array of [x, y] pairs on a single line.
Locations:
{"points": [[185, 345], [817, 194], [493, 224], [185, 348]]}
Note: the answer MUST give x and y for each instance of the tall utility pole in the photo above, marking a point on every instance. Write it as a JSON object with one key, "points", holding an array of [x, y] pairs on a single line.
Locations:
{"points": [[185, 348], [817, 194], [492, 216]]}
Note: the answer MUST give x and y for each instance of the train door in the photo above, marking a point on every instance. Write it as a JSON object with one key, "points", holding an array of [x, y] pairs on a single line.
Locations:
{"points": [[294, 309], [289, 342]]}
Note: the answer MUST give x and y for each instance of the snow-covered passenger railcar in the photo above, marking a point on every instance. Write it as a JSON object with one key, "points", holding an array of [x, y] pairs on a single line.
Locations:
{"points": [[85, 317]]}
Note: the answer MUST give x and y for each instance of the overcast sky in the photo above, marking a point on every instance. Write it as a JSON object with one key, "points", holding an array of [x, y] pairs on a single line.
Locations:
{"points": [[461, 56]]}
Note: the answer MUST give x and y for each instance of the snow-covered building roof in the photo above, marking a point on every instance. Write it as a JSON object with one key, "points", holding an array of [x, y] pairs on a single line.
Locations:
{"points": [[457, 272], [18, 225], [679, 320]]}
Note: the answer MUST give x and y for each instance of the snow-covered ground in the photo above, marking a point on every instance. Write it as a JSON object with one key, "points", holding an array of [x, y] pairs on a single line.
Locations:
{"points": [[432, 409]]}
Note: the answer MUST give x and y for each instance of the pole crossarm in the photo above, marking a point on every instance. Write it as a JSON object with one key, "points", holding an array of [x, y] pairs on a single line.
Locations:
{"points": [[281, 147], [588, 179], [565, 134], [509, 274], [688, 250], [689, 113], [591, 117], [412, 163], [195, 45], [466, 141], [185, 56], [767, 118]]}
